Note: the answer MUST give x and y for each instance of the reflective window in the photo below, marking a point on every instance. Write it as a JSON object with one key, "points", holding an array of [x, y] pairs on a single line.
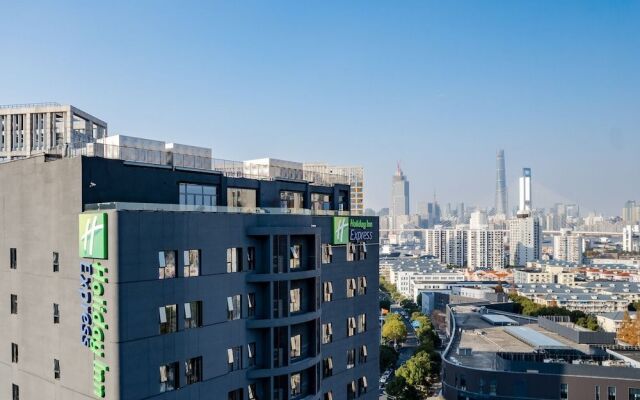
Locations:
{"points": [[327, 254], [245, 198], [197, 195], [351, 358], [167, 264], [193, 370], [234, 307], [294, 300], [328, 291], [168, 318], [327, 333], [320, 201], [169, 374], [234, 259], [234, 358], [295, 385], [193, 314], [291, 200], [295, 346], [191, 263]]}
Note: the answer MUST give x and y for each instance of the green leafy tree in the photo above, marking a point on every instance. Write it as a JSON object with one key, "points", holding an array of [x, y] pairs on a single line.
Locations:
{"points": [[416, 370], [394, 329], [388, 357], [400, 390]]}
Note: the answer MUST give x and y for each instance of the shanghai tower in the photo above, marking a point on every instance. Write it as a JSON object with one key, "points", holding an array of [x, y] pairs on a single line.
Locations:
{"points": [[501, 186]]}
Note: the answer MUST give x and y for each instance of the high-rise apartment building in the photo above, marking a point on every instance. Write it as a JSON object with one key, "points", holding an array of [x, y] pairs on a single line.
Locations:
{"points": [[525, 233], [568, 246], [631, 213], [131, 281], [631, 238], [399, 195], [501, 186], [27, 129], [447, 245], [485, 249]]}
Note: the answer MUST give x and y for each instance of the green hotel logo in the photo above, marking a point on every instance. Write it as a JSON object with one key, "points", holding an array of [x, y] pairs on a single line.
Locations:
{"points": [[92, 235], [340, 230]]}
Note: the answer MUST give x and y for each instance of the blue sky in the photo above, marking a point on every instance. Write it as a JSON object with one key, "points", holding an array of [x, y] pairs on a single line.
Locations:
{"points": [[437, 85]]}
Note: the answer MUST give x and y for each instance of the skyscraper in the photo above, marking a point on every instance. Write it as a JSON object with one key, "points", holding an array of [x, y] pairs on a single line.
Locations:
{"points": [[525, 191], [525, 235], [501, 185], [399, 194]]}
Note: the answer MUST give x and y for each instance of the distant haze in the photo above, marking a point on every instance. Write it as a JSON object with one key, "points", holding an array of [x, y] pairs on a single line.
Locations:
{"points": [[439, 86]]}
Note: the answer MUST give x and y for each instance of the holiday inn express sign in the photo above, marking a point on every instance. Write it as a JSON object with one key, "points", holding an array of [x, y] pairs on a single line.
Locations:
{"points": [[92, 244], [352, 229]]}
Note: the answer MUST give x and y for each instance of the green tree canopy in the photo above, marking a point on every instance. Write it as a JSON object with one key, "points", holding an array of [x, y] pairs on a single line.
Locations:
{"points": [[417, 369], [394, 329]]}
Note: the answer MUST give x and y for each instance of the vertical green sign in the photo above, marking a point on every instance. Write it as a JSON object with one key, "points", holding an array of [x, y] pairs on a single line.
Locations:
{"points": [[340, 230], [92, 235]]}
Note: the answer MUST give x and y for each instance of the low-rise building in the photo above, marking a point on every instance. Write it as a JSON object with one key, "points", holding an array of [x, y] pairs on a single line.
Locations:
{"points": [[611, 321]]}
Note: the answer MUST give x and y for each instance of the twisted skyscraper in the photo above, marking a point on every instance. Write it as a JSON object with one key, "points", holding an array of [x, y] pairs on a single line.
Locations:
{"points": [[501, 185]]}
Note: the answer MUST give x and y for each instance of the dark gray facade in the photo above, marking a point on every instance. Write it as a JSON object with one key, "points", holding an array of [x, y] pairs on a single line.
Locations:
{"points": [[273, 347]]}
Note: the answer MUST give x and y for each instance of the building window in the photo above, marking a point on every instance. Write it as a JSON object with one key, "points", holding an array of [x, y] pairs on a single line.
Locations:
{"points": [[328, 291], [167, 263], [351, 326], [564, 391], [14, 304], [168, 318], [294, 260], [234, 358], [236, 395], [13, 258], [351, 287], [327, 367], [363, 354], [244, 198], [56, 369], [56, 261], [15, 390], [351, 251], [234, 307], [234, 259], [295, 385], [362, 285], [251, 352], [291, 200], [327, 253], [320, 202], [328, 395], [597, 390], [197, 195], [362, 323], [252, 392], [56, 313], [327, 333], [294, 300], [611, 393], [351, 358], [295, 346], [362, 386], [362, 251], [191, 263], [169, 375], [193, 314], [193, 370], [251, 300], [493, 388], [634, 394], [14, 353], [351, 390], [251, 258]]}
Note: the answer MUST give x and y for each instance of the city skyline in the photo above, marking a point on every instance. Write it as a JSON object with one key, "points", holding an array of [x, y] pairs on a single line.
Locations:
{"points": [[433, 84]]}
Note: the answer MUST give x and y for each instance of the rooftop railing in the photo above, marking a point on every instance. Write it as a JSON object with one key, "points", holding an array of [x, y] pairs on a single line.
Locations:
{"points": [[168, 158], [127, 206], [30, 105]]}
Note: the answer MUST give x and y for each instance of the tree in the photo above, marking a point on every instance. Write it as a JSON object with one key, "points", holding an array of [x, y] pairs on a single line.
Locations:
{"points": [[416, 370], [394, 328], [629, 331], [388, 357], [385, 304], [400, 390]]}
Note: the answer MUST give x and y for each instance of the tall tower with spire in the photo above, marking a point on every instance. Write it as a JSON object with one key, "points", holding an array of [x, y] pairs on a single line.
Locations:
{"points": [[399, 194], [501, 186]]}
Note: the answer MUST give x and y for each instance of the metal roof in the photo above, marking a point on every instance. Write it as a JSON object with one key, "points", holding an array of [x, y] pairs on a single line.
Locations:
{"points": [[496, 319], [535, 339]]}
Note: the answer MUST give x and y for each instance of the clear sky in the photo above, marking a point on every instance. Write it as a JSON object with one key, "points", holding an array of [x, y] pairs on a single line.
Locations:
{"points": [[438, 85]]}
